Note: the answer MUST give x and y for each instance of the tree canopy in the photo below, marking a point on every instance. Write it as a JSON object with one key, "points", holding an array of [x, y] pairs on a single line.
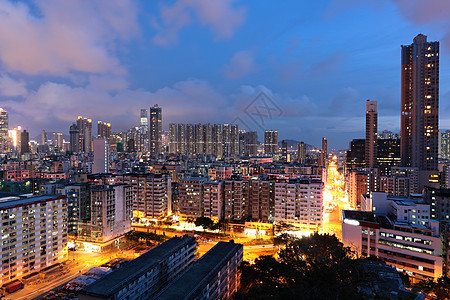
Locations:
{"points": [[314, 267]]}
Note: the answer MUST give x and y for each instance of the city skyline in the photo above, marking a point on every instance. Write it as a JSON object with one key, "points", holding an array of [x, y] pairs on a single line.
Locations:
{"points": [[202, 70]]}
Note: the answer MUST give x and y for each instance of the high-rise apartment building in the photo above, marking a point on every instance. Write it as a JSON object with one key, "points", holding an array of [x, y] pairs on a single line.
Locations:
{"points": [[199, 138], [208, 142], [85, 134], [236, 199], [101, 156], [357, 185], [226, 136], [250, 143], [270, 141], [155, 129], [173, 138], [217, 141], [284, 151], [444, 147], [74, 138], [371, 134], [355, 156], [43, 138], [58, 141], [4, 137], [301, 153], [103, 130], [24, 142], [151, 193], [420, 104], [323, 157], [143, 121], [213, 200], [191, 197], [234, 139], [181, 139], [111, 213], [190, 139], [299, 202]]}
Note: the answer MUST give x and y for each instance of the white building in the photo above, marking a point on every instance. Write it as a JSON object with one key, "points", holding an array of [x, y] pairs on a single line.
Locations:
{"points": [[299, 202], [34, 234], [101, 156], [111, 213], [397, 230]]}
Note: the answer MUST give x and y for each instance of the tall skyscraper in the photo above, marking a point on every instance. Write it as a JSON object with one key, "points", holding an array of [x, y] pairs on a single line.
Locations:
{"points": [[444, 149], [420, 104], [4, 137], [226, 136], [301, 153], [323, 157], [103, 130], [43, 138], [284, 151], [208, 131], [190, 139], [173, 137], [144, 121], [155, 129], [217, 141], [181, 140], [234, 139], [270, 141], [85, 135], [371, 134], [199, 138], [24, 142], [74, 138], [101, 156], [251, 143]]}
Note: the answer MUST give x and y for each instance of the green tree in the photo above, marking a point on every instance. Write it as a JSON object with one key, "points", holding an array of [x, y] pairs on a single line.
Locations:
{"points": [[204, 222], [314, 267]]}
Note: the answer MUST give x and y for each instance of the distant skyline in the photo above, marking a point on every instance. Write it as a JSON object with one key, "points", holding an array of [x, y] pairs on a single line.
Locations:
{"points": [[206, 61]]}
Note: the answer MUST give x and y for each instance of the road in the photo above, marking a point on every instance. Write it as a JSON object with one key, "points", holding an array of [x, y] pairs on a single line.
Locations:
{"points": [[54, 278]]}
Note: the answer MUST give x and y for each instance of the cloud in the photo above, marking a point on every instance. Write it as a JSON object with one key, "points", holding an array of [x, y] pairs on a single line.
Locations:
{"points": [[241, 64], [65, 36], [108, 82], [430, 12], [12, 88], [222, 17], [328, 65]]}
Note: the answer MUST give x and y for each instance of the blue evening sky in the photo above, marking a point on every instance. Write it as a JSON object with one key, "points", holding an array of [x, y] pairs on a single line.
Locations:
{"points": [[207, 61]]}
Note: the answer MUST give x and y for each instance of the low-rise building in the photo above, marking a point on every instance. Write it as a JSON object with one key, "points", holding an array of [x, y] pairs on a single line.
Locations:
{"points": [[399, 231], [214, 276], [144, 276]]}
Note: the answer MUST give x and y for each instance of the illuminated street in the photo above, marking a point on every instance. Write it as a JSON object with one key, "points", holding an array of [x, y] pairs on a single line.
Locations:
{"points": [[56, 277], [334, 200]]}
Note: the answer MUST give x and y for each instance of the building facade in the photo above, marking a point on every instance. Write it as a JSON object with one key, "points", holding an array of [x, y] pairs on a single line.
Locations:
{"points": [[420, 104], [34, 234]]}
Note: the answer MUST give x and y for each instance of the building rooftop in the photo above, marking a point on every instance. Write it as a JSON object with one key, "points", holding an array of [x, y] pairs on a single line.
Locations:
{"points": [[10, 200], [200, 273], [120, 278], [194, 179], [359, 215]]}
